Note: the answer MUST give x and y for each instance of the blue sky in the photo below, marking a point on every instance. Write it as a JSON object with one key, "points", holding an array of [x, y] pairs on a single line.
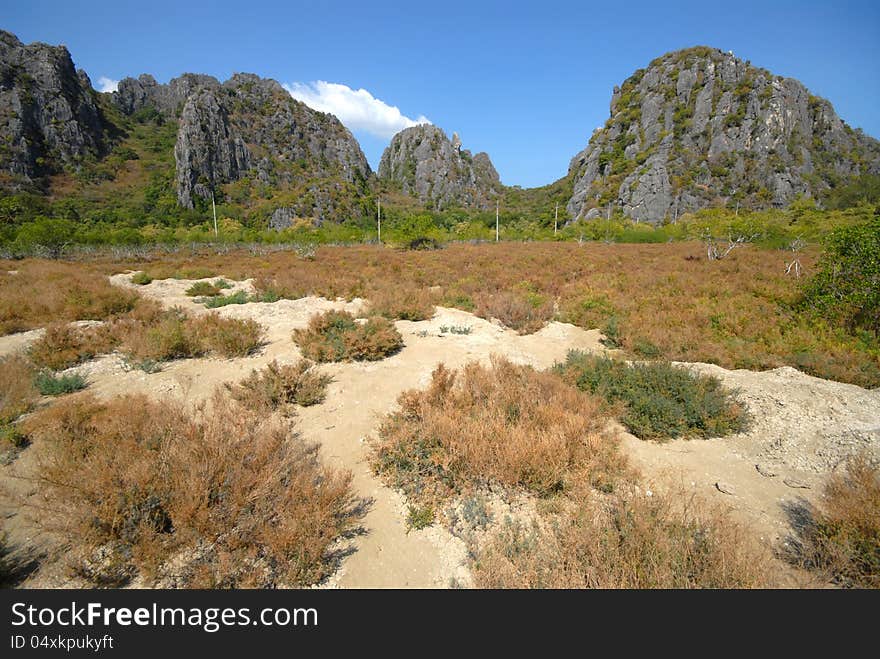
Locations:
{"points": [[526, 82]]}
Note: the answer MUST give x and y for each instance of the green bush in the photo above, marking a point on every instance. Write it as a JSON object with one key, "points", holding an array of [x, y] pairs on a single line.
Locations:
{"points": [[660, 400], [846, 287], [203, 289], [49, 384], [141, 278], [239, 297]]}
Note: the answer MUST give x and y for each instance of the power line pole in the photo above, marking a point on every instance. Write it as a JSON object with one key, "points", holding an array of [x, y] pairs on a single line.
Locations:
{"points": [[556, 220], [379, 218], [214, 208], [496, 222]]}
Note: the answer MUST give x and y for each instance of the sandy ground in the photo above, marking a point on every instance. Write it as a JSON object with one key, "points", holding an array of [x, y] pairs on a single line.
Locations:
{"points": [[803, 427]]}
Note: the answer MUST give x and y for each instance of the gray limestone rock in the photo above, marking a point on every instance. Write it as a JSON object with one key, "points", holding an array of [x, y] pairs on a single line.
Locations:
{"points": [[427, 165], [49, 115], [700, 127]]}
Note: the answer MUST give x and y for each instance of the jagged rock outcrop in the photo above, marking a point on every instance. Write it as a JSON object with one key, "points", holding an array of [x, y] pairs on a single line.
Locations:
{"points": [[207, 152], [135, 94], [49, 115], [700, 127], [250, 128], [427, 165]]}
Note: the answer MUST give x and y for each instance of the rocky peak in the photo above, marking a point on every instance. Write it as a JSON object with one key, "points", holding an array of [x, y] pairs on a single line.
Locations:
{"points": [[250, 126], [49, 118], [700, 127], [427, 165], [135, 94]]}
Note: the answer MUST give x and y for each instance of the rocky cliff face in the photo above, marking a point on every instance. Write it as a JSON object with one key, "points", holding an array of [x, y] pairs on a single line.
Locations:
{"points": [[427, 165], [143, 93], [49, 115], [250, 128], [700, 127]]}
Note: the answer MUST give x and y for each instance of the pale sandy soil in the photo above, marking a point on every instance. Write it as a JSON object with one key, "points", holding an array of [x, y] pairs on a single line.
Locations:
{"points": [[803, 428]]}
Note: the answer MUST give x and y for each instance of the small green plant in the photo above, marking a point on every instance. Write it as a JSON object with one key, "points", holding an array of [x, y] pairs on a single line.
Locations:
{"points": [[203, 289], [456, 329], [645, 348], [419, 517], [217, 301], [49, 384], [611, 333], [146, 365], [12, 437], [141, 278]]}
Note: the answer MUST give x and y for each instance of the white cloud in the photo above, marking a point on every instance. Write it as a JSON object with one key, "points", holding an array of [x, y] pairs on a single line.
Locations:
{"points": [[356, 109], [107, 84]]}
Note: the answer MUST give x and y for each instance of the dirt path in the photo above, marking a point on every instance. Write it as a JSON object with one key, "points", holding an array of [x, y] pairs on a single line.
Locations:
{"points": [[803, 427]]}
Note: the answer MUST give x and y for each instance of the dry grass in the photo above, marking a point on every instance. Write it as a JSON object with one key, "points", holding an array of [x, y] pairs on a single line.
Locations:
{"points": [[627, 540], [64, 345], [225, 498], [402, 303], [336, 336], [173, 335], [18, 395], [17, 391], [505, 425], [842, 538], [279, 387], [203, 289], [46, 292], [738, 312], [227, 337], [526, 313]]}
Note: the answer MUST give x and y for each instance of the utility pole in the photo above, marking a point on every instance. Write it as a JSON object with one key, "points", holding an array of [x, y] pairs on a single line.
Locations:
{"points": [[214, 208], [379, 218], [556, 220], [496, 222]]}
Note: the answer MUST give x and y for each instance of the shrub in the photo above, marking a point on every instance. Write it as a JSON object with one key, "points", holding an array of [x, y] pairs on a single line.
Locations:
{"points": [[168, 338], [49, 384], [515, 310], [402, 303], [203, 288], [336, 336], [246, 503], [419, 517], [239, 297], [18, 394], [141, 278], [611, 333], [505, 424], [842, 538], [660, 400], [176, 336], [627, 540], [227, 337], [281, 386], [63, 345]]}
